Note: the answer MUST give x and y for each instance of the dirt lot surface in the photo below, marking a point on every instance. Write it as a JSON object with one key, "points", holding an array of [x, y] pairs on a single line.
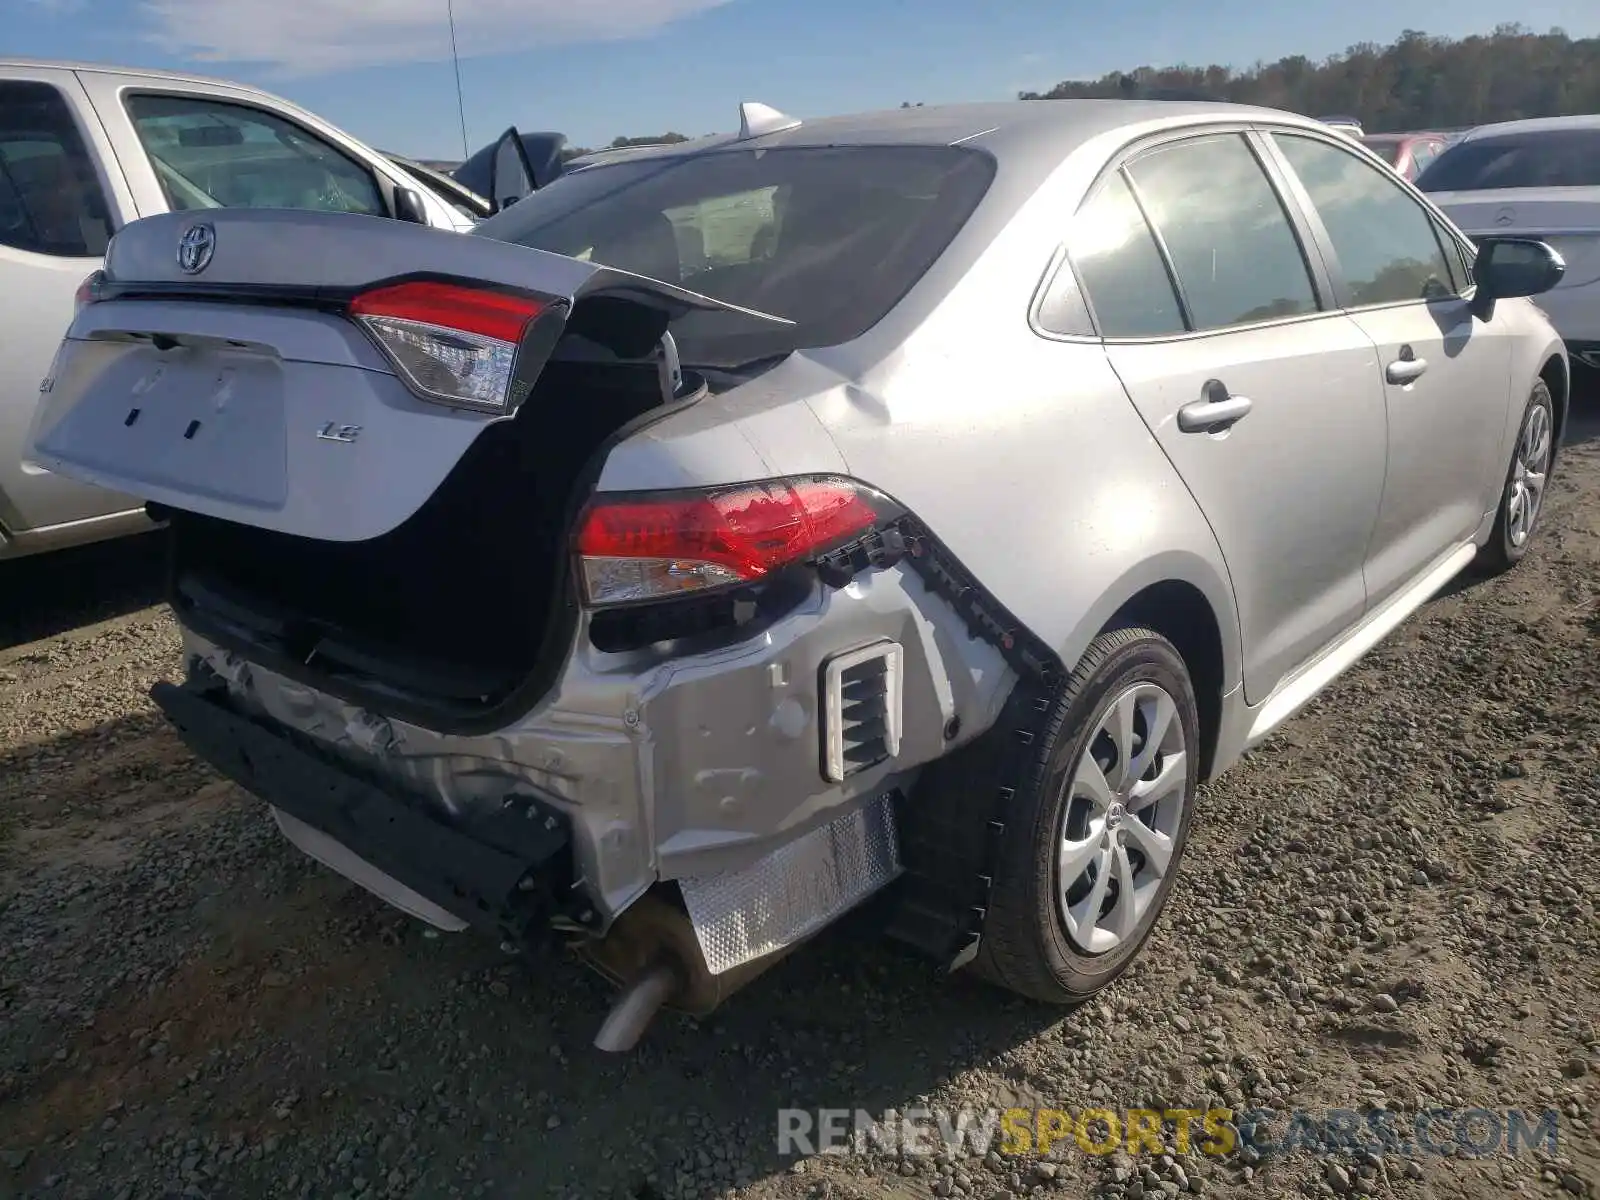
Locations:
{"points": [[1394, 904]]}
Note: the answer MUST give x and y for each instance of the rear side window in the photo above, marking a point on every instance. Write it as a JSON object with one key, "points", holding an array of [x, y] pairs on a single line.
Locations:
{"points": [[1554, 158], [830, 238], [212, 154], [51, 201], [1120, 265], [1237, 258], [1384, 240]]}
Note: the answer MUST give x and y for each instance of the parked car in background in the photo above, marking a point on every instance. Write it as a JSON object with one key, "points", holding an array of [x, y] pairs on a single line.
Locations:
{"points": [[1349, 126], [1407, 153], [452, 191], [794, 588], [1534, 178], [84, 150]]}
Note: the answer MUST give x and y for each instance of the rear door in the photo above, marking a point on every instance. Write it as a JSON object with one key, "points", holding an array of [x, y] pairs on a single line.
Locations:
{"points": [[58, 208], [1264, 398], [1445, 373]]}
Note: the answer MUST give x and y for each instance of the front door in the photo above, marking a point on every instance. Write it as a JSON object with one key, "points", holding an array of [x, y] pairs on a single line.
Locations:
{"points": [[1445, 374], [1265, 400], [57, 212]]}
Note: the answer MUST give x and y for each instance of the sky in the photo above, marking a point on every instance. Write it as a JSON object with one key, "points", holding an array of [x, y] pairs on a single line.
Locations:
{"points": [[596, 69]]}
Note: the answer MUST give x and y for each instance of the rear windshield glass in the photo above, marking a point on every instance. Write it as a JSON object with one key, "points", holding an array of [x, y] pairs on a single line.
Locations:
{"points": [[1560, 158], [1387, 149], [830, 238]]}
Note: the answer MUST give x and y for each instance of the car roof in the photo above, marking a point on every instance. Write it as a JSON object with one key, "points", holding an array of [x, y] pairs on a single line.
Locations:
{"points": [[61, 64], [1580, 121], [1009, 128]]}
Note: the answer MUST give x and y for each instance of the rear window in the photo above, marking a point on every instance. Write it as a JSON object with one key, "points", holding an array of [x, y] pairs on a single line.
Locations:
{"points": [[830, 238], [1387, 149], [1559, 158]]}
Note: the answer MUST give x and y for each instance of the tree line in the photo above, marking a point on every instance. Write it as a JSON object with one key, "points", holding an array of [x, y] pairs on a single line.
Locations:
{"points": [[1415, 82]]}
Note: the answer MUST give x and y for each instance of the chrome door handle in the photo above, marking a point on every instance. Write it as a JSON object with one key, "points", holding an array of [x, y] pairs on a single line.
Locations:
{"points": [[1205, 415], [1404, 370]]}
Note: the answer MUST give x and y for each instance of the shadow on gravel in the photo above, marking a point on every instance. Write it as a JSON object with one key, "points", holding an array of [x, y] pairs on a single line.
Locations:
{"points": [[49, 594], [1583, 422], [278, 977]]}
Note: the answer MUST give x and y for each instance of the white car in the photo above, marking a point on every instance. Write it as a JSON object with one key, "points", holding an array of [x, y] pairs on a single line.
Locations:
{"points": [[1538, 179], [84, 151]]}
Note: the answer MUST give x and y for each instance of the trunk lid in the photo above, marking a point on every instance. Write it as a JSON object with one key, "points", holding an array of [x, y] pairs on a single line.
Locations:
{"points": [[224, 376], [1566, 218]]}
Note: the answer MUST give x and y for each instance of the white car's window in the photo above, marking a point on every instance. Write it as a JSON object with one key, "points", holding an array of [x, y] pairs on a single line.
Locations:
{"points": [[51, 201], [1384, 240], [1120, 265], [210, 153], [1237, 258]]}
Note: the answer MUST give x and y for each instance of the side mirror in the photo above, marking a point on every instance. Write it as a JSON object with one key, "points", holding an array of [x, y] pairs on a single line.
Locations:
{"points": [[510, 173], [1510, 267], [408, 206]]}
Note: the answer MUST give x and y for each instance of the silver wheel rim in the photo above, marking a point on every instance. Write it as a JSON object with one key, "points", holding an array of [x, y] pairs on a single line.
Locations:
{"points": [[1529, 471], [1124, 807]]}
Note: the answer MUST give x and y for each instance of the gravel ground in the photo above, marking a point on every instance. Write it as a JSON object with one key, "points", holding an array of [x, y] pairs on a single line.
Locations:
{"points": [[1394, 903]]}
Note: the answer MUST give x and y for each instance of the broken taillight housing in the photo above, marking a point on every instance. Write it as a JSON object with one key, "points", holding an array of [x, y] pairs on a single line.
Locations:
{"points": [[452, 344], [90, 290], [665, 544]]}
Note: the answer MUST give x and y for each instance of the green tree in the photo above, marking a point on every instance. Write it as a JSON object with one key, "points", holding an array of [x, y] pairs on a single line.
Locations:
{"points": [[1416, 82]]}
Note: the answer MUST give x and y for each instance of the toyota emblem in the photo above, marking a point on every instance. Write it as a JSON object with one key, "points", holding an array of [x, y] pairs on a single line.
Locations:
{"points": [[195, 248]]}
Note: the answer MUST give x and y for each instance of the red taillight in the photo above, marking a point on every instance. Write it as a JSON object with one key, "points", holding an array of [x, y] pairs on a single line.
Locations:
{"points": [[667, 545], [450, 343], [449, 306]]}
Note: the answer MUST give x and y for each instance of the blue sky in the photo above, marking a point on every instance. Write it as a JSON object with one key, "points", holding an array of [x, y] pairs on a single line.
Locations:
{"points": [[598, 68]]}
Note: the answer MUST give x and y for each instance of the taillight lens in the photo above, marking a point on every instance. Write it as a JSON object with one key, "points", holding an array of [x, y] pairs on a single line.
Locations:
{"points": [[90, 290], [632, 549], [456, 345]]}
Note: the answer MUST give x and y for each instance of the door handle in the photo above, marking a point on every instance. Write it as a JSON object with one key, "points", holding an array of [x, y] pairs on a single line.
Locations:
{"points": [[1205, 415], [1404, 370]]}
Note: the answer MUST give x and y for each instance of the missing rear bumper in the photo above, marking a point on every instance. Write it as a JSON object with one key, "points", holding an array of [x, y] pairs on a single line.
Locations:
{"points": [[506, 874]]}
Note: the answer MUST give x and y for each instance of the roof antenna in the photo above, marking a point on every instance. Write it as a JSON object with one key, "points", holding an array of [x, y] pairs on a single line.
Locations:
{"points": [[758, 120], [461, 105]]}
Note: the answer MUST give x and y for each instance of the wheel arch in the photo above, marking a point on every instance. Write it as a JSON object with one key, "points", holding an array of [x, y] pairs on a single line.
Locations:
{"points": [[1557, 376], [1182, 597]]}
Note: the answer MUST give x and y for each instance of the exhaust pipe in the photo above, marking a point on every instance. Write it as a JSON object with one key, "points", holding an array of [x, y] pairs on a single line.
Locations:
{"points": [[637, 1007], [652, 953]]}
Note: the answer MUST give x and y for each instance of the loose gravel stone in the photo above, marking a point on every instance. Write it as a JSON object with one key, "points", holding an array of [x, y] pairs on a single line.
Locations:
{"points": [[1392, 904]]}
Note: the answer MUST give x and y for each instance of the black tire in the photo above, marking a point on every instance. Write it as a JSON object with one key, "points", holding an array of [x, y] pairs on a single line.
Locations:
{"points": [[1502, 552], [1025, 945]]}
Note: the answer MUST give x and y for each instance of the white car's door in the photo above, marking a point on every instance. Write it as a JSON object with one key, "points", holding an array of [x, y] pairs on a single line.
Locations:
{"points": [[193, 144], [59, 205]]}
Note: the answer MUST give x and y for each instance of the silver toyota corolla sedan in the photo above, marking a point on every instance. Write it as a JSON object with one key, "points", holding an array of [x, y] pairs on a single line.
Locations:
{"points": [[923, 502]]}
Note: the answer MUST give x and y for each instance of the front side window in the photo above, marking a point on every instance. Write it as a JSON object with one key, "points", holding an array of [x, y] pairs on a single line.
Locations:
{"points": [[1384, 240], [830, 238], [1120, 266], [51, 201], [1237, 258], [213, 154]]}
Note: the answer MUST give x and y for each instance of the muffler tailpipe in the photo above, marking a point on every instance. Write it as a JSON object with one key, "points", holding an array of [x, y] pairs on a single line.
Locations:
{"points": [[637, 1006], [652, 953]]}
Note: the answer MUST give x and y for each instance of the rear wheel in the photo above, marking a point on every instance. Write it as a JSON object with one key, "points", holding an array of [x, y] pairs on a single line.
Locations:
{"points": [[1528, 476], [1093, 840]]}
